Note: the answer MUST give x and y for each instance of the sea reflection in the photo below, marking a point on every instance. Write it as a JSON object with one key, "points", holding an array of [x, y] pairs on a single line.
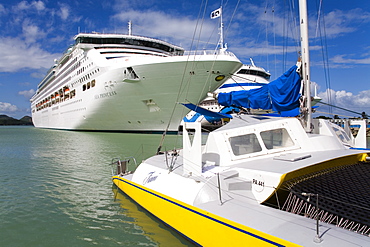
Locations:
{"points": [[73, 176], [149, 226], [56, 190]]}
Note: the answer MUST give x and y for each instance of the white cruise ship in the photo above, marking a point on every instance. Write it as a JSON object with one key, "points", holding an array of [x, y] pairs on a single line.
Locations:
{"points": [[115, 82]]}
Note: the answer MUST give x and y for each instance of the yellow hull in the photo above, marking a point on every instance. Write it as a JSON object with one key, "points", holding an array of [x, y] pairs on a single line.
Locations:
{"points": [[198, 225]]}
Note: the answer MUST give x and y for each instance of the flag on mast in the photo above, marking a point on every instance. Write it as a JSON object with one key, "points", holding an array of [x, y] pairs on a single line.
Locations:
{"points": [[217, 13]]}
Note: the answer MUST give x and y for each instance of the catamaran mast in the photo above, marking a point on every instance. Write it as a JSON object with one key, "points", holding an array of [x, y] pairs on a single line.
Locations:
{"points": [[305, 53]]}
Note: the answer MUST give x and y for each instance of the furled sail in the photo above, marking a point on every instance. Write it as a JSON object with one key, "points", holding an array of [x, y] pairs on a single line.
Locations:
{"points": [[279, 95]]}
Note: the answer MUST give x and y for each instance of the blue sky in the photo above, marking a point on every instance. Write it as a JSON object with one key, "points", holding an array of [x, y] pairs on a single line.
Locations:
{"points": [[34, 33]]}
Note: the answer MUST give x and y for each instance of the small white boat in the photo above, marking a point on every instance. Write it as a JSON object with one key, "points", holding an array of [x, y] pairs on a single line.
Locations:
{"points": [[247, 78], [261, 180]]}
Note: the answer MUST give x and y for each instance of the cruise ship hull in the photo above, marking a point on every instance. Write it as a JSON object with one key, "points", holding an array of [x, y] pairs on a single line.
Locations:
{"points": [[145, 103]]}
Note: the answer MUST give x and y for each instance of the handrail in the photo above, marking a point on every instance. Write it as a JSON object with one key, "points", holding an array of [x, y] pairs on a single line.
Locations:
{"points": [[121, 165], [208, 52]]}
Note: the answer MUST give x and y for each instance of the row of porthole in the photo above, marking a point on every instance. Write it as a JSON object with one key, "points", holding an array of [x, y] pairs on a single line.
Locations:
{"points": [[87, 77], [83, 68], [55, 98], [88, 85]]}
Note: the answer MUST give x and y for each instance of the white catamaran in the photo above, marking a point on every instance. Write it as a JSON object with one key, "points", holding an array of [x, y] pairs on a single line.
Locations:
{"points": [[262, 180], [112, 82]]}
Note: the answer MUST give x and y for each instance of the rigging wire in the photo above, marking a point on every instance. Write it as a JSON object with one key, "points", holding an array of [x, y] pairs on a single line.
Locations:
{"points": [[285, 40], [232, 17], [344, 109], [183, 76], [196, 49], [274, 32], [266, 37], [187, 85], [290, 31], [221, 33], [324, 52], [219, 43], [293, 25]]}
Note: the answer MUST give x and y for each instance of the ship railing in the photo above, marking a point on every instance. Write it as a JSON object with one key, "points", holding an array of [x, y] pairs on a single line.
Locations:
{"points": [[208, 52]]}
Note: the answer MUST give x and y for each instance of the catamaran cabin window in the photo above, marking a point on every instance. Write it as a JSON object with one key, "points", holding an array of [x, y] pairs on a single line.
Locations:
{"points": [[342, 135], [276, 138], [245, 144]]}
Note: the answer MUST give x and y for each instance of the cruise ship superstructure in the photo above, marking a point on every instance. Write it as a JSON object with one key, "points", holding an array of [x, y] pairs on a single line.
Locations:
{"points": [[115, 82]]}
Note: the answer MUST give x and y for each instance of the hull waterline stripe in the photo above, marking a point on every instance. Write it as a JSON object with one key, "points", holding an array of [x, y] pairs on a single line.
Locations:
{"points": [[201, 214], [366, 149]]}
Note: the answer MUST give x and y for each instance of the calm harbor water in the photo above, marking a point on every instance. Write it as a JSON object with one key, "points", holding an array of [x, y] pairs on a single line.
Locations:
{"points": [[56, 190]]}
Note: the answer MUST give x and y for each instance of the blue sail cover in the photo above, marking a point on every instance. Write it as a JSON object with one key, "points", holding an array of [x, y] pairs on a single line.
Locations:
{"points": [[279, 95]]}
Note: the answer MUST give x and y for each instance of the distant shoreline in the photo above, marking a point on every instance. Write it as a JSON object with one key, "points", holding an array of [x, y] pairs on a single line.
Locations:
{"points": [[9, 121], [27, 121]]}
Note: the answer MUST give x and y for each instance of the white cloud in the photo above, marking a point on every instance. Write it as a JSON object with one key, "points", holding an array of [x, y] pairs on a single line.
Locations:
{"points": [[16, 54], [339, 22], [2, 9], [347, 100], [64, 12], [175, 29], [273, 20], [24, 5], [27, 93], [39, 74], [39, 5], [7, 107], [31, 32], [344, 59], [268, 20]]}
